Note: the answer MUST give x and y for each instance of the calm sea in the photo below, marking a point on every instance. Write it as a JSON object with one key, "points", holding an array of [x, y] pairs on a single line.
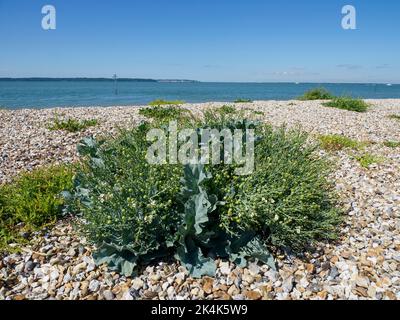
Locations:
{"points": [[46, 94]]}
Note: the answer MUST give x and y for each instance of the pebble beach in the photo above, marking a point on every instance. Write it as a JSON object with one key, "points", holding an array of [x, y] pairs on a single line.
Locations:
{"points": [[363, 264]]}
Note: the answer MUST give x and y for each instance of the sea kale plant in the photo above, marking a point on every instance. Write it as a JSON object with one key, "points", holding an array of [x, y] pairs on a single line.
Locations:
{"points": [[136, 213], [127, 205], [287, 199]]}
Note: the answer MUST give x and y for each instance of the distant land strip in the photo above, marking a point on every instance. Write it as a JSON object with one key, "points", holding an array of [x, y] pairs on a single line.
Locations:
{"points": [[97, 79]]}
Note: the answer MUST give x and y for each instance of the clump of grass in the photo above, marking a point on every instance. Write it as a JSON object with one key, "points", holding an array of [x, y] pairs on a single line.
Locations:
{"points": [[392, 144], [72, 125], [223, 114], [394, 117], [258, 113], [316, 94], [167, 113], [241, 100], [348, 103], [338, 142], [33, 200], [161, 102], [227, 110], [367, 159]]}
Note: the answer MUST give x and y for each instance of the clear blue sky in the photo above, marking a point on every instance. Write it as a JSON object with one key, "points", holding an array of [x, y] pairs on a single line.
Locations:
{"points": [[208, 40]]}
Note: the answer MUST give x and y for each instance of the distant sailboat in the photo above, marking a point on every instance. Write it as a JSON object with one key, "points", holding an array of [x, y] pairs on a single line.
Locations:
{"points": [[389, 84]]}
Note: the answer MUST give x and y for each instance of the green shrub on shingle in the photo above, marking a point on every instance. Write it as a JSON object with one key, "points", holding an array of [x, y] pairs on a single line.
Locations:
{"points": [[347, 103], [136, 213], [316, 94], [32, 200]]}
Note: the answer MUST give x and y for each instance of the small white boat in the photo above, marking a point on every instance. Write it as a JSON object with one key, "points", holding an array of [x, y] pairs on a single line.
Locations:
{"points": [[389, 84]]}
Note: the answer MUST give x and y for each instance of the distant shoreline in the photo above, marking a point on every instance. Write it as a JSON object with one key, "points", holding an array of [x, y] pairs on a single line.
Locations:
{"points": [[99, 79], [190, 81]]}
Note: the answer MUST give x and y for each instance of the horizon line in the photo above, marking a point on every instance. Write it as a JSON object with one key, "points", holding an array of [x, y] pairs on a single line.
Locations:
{"points": [[185, 80]]}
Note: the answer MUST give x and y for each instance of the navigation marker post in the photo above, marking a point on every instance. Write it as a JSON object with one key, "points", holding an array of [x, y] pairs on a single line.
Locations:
{"points": [[115, 83]]}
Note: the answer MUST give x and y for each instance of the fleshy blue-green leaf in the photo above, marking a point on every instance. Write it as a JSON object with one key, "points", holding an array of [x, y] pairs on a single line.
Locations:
{"points": [[117, 258], [87, 147]]}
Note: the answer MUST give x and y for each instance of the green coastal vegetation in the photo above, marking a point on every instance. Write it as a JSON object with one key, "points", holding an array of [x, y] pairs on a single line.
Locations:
{"points": [[334, 143], [258, 113], [368, 159], [166, 113], [348, 103], [242, 100], [338, 142], [136, 213], [316, 94], [392, 144], [72, 125], [161, 102], [31, 201], [344, 103], [394, 117], [226, 110]]}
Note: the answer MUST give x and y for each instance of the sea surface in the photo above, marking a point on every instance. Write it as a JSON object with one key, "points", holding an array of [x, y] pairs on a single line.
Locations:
{"points": [[18, 94]]}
